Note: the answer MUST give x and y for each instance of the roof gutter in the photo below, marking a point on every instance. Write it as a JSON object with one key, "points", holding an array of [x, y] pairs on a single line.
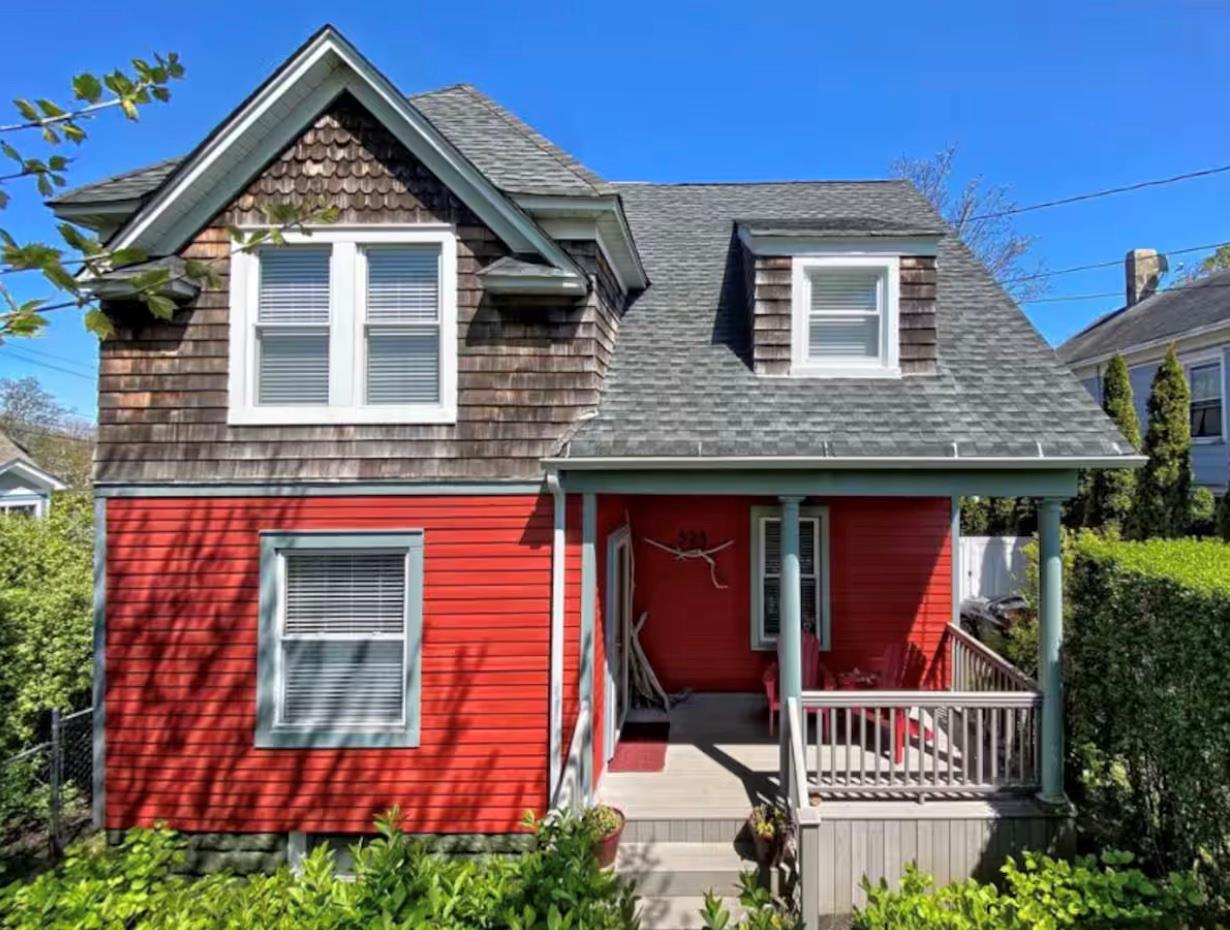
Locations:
{"points": [[619, 463]]}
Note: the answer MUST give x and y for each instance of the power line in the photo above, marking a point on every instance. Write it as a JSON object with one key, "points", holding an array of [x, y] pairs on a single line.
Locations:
{"points": [[56, 358], [1093, 195], [1109, 264], [1105, 294], [29, 360]]}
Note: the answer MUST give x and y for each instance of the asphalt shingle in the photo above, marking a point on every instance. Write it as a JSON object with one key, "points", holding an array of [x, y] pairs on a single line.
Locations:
{"points": [[1166, 314], [680, 384]]}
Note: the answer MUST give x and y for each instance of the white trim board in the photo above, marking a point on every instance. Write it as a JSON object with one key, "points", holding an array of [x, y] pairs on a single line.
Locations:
{"points": [[277, 113]]}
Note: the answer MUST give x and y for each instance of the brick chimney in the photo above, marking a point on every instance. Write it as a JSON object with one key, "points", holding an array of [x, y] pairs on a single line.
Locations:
{"points": [[1143, 269]]}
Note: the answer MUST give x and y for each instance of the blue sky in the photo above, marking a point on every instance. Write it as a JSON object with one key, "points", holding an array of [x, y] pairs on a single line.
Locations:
{"points": [[1049, 98]]}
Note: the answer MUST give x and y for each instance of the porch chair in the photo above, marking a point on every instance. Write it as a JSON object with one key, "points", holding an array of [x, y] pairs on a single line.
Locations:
{"points": [[815, 678], [894, 666]]}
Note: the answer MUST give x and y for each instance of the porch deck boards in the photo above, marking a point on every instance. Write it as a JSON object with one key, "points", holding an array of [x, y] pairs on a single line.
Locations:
{"points": [[720, 760]]}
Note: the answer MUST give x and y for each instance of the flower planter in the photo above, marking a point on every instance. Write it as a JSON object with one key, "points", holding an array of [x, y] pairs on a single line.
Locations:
{"points": [[768, 848], [606, 847]]}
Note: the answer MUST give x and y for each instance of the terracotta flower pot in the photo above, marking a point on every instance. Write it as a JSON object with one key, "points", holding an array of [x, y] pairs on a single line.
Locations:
{"points": [[606, 848]]}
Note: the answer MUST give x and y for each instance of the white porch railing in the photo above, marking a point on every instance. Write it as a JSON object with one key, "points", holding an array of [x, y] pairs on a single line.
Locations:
{"points": [[932, 743], [977, 667]]}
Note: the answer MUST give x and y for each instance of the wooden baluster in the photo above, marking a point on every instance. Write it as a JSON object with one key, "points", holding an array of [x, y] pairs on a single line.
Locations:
{"points": [[978, 712], [995, 745]]}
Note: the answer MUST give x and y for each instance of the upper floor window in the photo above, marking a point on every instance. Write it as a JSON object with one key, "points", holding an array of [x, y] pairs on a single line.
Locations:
{"points": [[1206, 404], [844, 316], [346, 326]]}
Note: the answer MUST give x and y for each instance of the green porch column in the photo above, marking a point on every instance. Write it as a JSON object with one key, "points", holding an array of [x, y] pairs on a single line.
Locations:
{"points": [[790, 632], [1050, 638]]}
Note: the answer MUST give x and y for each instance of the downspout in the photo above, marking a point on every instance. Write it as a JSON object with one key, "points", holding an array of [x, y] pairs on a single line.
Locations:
{"points": [[556, 692]]}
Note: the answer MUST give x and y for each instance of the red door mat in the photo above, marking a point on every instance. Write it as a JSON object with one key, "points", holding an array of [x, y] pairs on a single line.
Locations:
{"points": [[642, 748]]}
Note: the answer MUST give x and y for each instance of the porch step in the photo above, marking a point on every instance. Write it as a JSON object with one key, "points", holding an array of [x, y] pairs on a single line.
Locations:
{"points": [[682, 869], [683, 829], [680, 913]]}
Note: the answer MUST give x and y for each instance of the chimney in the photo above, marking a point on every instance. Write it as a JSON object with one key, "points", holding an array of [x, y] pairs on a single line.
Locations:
{"points": [[1143, 270]]}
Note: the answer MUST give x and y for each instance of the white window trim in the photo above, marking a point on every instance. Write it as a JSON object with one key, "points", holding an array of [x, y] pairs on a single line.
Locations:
{"points": [[761, 641], [346, 326], [1202, 360], [888, 364], [39, 504]]}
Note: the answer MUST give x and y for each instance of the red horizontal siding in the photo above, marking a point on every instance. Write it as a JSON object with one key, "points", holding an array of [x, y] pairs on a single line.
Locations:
{"points": [[890, 574], [182, 592]]}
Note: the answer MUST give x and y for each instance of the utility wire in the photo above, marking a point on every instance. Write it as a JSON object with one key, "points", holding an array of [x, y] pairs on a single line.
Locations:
{"points": [[30, 360], [1165, 290], [1109, 264], [1093, 195]]}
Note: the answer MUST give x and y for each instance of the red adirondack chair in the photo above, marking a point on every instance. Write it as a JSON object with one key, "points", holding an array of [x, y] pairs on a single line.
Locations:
{"points": [[893, 669], [815, 678]]}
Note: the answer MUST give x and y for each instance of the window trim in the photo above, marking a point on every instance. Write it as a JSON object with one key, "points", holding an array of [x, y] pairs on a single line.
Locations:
{"points": [[761, 641], [347, 317], [1203, 360], [888, 364], [270, 732]]}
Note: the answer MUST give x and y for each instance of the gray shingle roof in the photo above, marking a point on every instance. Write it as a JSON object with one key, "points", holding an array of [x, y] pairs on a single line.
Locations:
{"points": [[513, 156], [680, 386], [11, 449], [1165, 315]]}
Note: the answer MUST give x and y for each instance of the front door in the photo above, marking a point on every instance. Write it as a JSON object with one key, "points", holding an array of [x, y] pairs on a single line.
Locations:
{"points": [[618, 633]]}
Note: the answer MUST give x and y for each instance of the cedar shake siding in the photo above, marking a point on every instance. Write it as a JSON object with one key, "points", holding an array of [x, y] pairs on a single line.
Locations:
{"points": [[769, 293], [181, 668], [527, 367]]}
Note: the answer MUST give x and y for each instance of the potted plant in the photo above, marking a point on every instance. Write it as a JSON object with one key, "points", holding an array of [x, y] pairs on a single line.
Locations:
{"points": [[767, 824], [606, 826]]}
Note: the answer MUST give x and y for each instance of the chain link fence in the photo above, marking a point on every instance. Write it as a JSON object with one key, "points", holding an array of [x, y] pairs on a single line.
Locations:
{"points": [[46, 792]]}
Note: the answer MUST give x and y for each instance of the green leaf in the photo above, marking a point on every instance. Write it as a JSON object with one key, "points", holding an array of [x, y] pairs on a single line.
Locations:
{"points": [[57, 162], [49, 108], [72, 132], [99, 323], [129, 108], [128, 256], [87, 87], [26, 109], [50, 136], [161, 307]]}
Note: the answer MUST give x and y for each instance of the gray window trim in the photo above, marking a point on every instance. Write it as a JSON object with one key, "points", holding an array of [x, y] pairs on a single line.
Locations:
{"points": [[759, 640], [271, 734]]}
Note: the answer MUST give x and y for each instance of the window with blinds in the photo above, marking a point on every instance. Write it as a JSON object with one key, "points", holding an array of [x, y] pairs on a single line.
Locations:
{"points": [[845, 315], [770, 575], [339, 653], [343, 639], [1206, 415], [292, 326], [402, 330]]}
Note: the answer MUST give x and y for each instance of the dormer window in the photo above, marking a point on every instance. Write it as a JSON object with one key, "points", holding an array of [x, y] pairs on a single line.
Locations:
{"points": [[844, 316]]}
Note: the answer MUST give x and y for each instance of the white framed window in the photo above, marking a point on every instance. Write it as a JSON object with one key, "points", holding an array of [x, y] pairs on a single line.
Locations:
{"points": [[766, 574], [844, 313], [340, 632], [19, 509], [346, 325], [1205, 379]]}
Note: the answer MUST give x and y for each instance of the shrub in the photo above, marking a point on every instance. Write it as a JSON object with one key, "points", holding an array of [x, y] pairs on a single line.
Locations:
{"points": [[1039, 894], [1163, 485], [761, 911], [396, 883], [1147, 649]]}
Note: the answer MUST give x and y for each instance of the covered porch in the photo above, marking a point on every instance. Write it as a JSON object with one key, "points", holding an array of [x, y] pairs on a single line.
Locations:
{"points": [[849, 606]]}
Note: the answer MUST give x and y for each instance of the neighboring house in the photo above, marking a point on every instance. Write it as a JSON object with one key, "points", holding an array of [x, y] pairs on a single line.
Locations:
{"points": [[25, 488], [369, 511], [1195, 319]]}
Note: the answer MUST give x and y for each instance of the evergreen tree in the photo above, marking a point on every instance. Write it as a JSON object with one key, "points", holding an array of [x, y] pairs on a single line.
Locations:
{"points": [[1111, 491], [1163, 489]]}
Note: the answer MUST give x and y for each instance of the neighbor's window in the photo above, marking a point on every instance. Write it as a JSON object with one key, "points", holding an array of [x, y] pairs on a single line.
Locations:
{"points": [[767, 562], [340, 621], [346, 327], [1206, 400], [845, 316]]}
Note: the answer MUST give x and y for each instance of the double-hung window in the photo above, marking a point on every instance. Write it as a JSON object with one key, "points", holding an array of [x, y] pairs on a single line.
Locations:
{"points": [[346, 326], [1206, 402], [767, 574], [845, 311], [341, 617]]}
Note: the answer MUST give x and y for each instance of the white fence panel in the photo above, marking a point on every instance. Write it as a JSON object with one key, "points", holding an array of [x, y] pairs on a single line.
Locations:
{"points": [[992, 565]]}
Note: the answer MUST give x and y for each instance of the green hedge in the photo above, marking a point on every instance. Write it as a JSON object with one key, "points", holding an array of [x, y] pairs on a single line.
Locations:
{"points": [[1040, 893], [1147, 667], [396, 885]]}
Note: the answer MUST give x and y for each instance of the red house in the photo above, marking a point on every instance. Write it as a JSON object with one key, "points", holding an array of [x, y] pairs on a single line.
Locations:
{"points": [[408, 509]]}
